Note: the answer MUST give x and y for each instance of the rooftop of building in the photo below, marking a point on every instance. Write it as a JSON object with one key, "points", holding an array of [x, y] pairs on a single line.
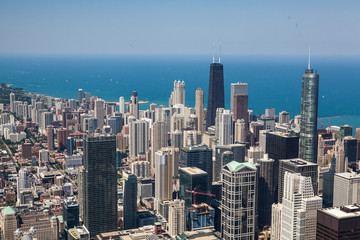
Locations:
{"points": [[196, 147], [299, 162], [282, 134], [79, 231], [235, 166], [192, 170], [205, 234], [144, 214], [348, 211], [349, 138], [8, 211], [348, 175]]}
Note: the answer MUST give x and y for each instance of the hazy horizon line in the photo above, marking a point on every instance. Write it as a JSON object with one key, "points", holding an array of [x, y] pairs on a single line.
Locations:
{"points": [[169, 55]]}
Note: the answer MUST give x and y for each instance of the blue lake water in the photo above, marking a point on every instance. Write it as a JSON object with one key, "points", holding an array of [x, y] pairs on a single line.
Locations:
{"points": [[273, 81]]}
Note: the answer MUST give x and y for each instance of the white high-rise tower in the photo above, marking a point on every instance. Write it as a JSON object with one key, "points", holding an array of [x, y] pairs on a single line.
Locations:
{"points": [[178, 94], [99, 112], [121, 105], [299, 208]]}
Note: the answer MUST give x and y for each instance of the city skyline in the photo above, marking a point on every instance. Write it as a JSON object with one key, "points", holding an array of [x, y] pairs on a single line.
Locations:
{"points": [[117, 122]]}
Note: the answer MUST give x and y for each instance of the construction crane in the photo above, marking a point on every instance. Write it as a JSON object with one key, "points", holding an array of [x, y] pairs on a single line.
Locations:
{"points": [[195, 192], [322, 124]]}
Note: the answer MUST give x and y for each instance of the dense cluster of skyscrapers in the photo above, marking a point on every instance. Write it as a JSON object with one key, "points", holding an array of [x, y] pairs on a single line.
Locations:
{"points": [[93, 169]]}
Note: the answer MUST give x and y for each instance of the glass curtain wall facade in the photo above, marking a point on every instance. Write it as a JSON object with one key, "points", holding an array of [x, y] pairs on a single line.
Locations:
{"points": [[309, 115]]}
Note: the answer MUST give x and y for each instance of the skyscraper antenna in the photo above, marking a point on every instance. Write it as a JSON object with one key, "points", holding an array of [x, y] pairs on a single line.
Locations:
{"points": [[309, 57], [219, 50], [213, 52]]}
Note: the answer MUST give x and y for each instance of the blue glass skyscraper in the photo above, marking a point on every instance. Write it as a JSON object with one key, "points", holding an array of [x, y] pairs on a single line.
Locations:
{"points": [[309, 114]]}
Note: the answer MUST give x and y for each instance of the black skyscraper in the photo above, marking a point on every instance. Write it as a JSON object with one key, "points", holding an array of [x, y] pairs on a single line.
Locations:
{"points": [[266, 190], [130, 201], [216, 92], [198, 156], [99, 185]]}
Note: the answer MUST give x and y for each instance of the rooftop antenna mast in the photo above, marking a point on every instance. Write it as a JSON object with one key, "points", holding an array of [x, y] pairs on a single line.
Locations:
{"points": [[309, 57], [219, 50], [213, 52]]}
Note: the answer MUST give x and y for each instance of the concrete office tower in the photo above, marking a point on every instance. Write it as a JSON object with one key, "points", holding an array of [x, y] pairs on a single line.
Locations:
{"points": [[276, 221], [216, 92], [309, 114], [255, 153], [321, 161], [165, 167], [346, 189], [266, 190], [99, 113], [99, 188], [159, 139], [338, 223], [50, 138], [43, 157], [72, 103], [177, 218], [62, 135], [199, 108], [238, 201], [357, 133], [238, 88], [134, 105], [270, 112], [297, 165], [341, 161], [138, 137], [115, 123], [297, 120], [239, 155], [81, 96], [191, 178], [328, 184], [26, 150], [191, 137], [8, 223], [12, 101], [262, 139], [198, 156], [284, 117], [130, 201], [141, 169], [47, 120], [225, 128], [240, 131], [122, 105], [177, 122], [241, 108], [178, 94], [23, 182], [300, 205], [219, 112], [177, 139]]}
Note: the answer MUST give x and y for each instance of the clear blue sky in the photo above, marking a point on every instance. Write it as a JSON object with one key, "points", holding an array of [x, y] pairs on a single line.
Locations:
{"points": [[254, 27]]}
